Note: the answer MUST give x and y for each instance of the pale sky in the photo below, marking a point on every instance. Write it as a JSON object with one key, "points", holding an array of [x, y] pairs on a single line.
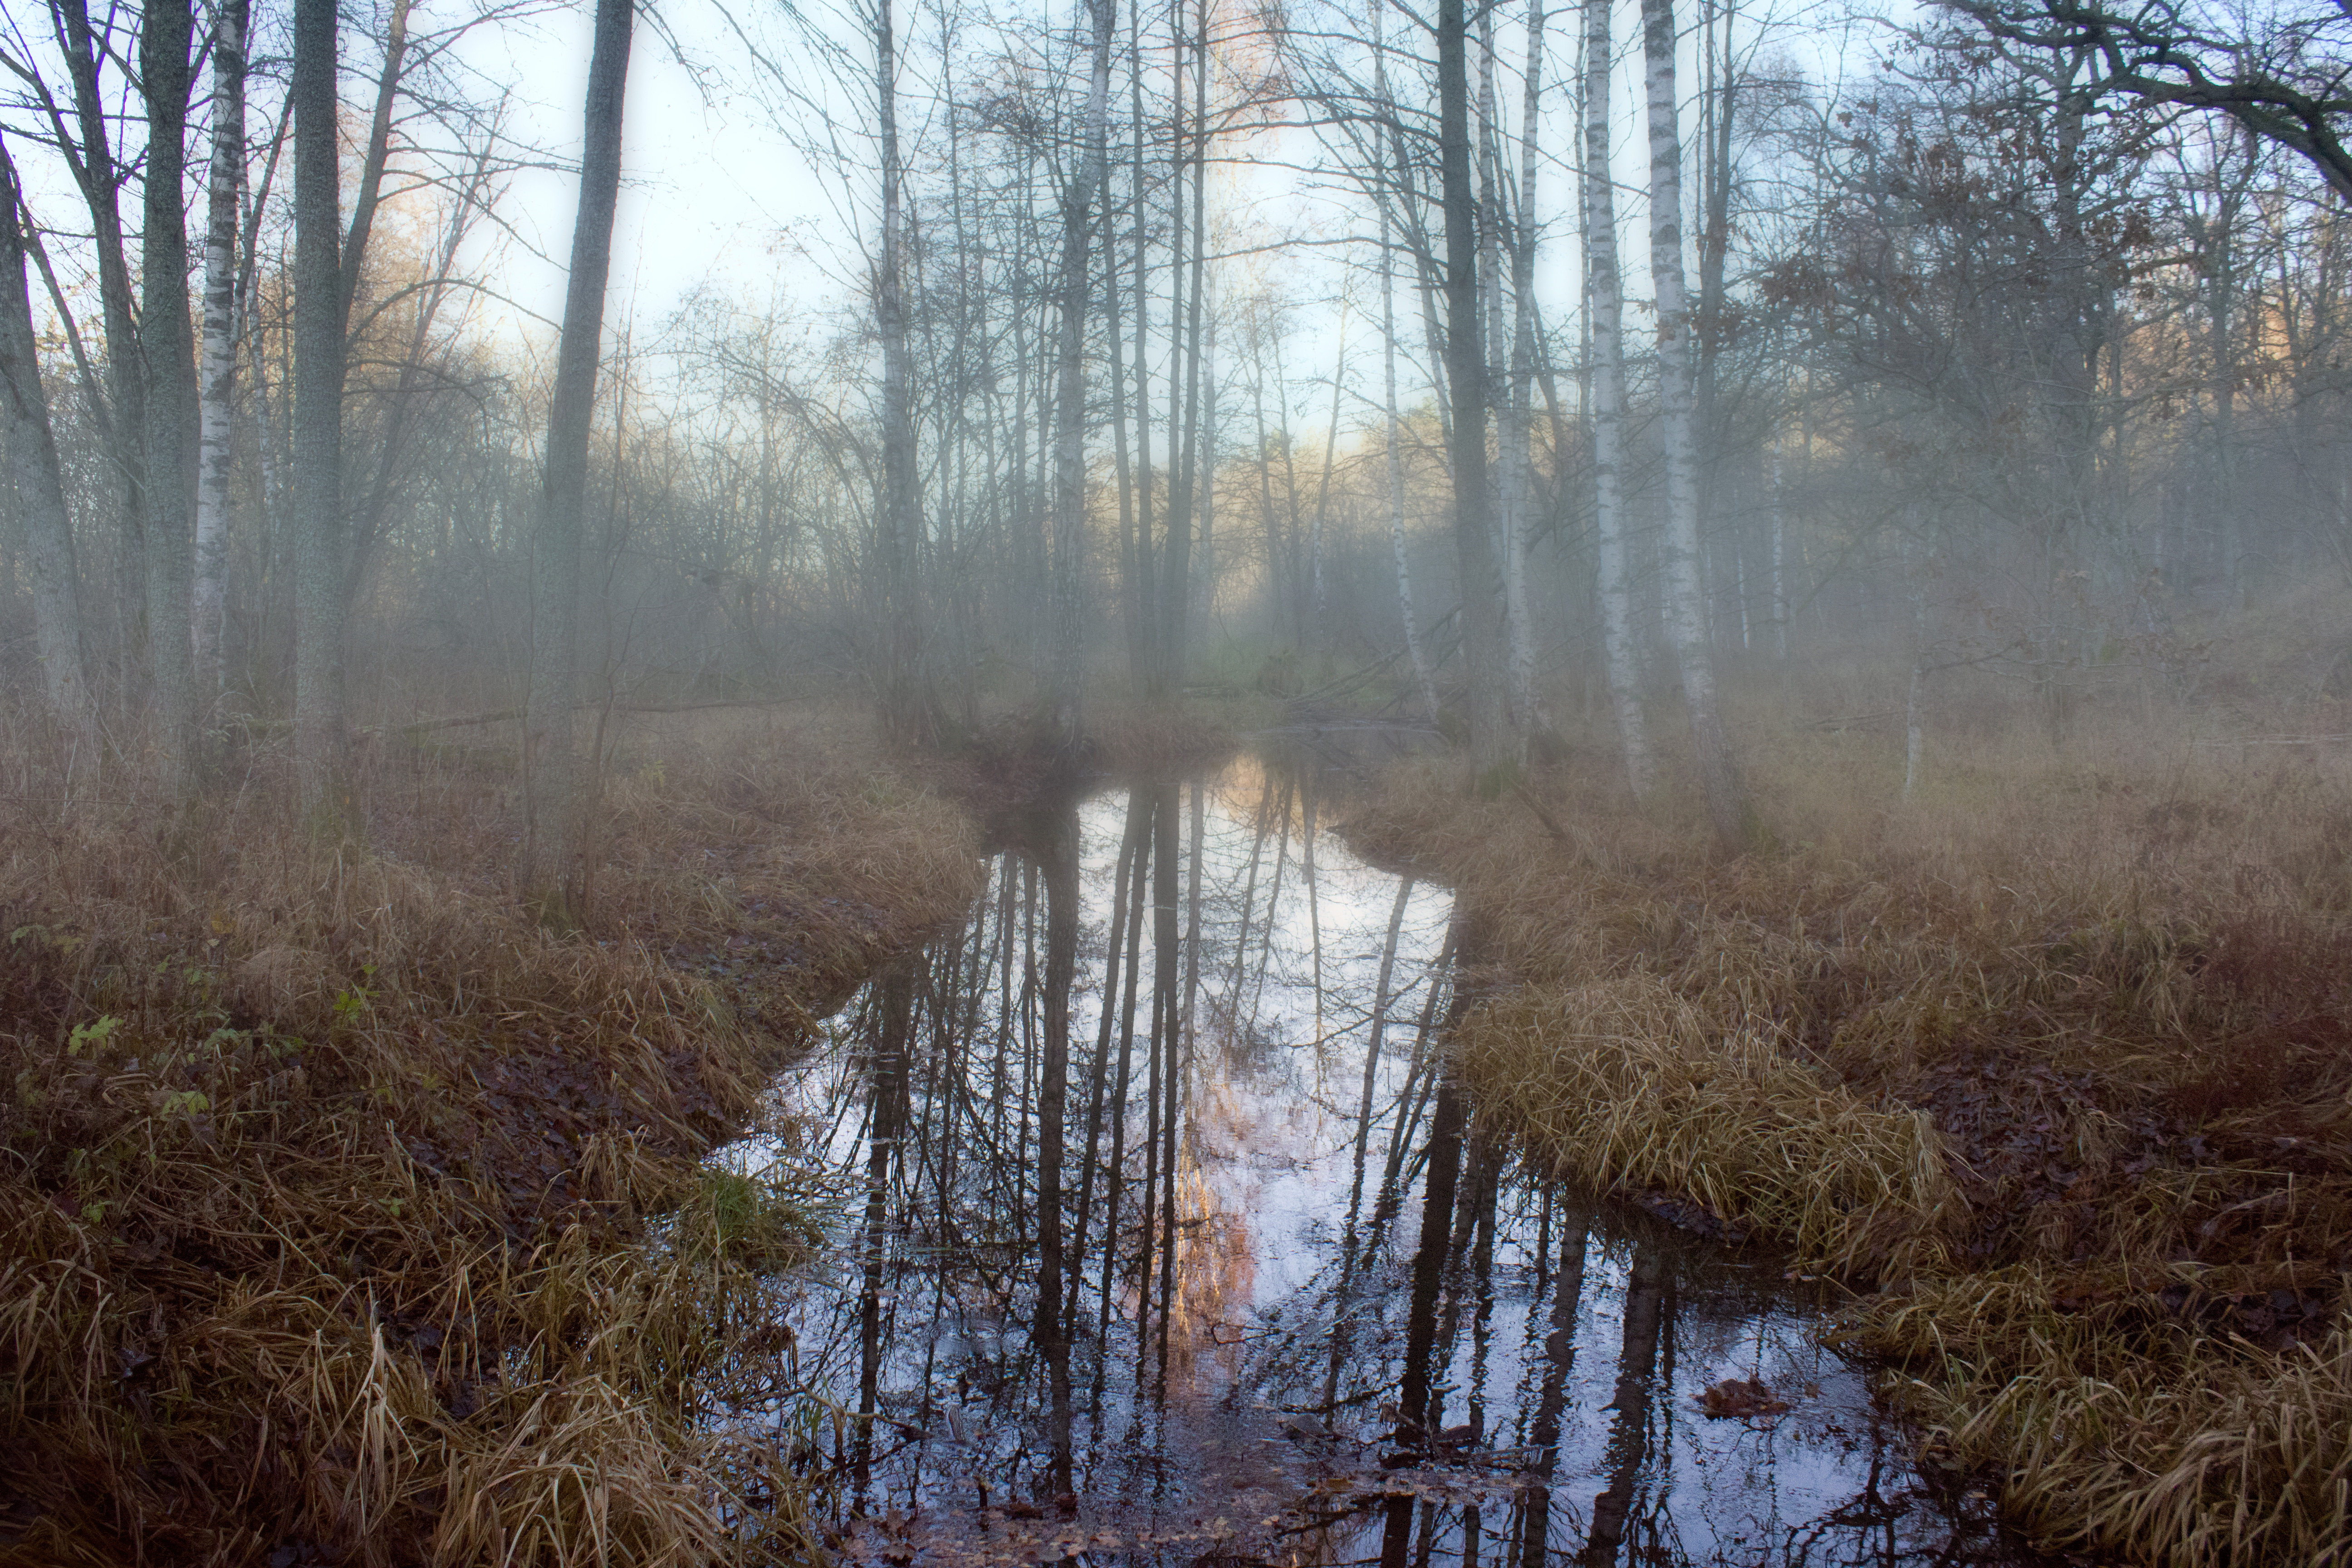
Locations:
{"points": [[713, 184]]}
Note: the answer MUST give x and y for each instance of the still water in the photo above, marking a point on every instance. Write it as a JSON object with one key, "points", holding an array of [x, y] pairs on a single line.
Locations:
{"points": [[1233, 1025]]}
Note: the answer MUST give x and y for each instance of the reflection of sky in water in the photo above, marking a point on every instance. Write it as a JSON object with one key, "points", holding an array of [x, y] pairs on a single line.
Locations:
{"points": [[1271, 1105]]}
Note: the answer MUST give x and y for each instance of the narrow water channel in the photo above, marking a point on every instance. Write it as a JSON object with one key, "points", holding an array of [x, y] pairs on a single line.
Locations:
{"points": [[1223, 1189]]}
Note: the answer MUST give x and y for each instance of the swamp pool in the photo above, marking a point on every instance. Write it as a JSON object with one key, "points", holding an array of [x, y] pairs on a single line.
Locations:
{"points": [[1249, 1294]]}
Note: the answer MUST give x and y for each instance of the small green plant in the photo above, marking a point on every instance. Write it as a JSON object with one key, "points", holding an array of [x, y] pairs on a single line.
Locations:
{"points": [[351, 1004], [93, 1036]]}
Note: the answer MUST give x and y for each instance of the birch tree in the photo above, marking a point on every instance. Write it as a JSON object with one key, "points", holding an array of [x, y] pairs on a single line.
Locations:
{"points": [[1605, 287], [218, 376], [1685, 593], [1518, 488]]}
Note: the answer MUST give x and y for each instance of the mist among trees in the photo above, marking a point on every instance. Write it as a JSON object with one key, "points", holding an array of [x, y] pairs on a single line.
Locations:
{"points": [[1484, 359]]}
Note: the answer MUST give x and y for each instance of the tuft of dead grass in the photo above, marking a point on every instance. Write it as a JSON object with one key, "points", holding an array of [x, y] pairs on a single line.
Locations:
{"points": [[2119, 1427], [2069, 1035], [1621, 1085], [350, 1211]]}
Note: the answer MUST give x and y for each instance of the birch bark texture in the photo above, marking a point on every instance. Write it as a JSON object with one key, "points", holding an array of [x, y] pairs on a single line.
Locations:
{"points": [[552, 876], [1686, 597], [1607, 290], [217, 378]]}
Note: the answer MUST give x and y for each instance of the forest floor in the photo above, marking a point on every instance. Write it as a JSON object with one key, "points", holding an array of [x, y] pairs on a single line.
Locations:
{"points": [[353, 1215], [2051, 1064]]}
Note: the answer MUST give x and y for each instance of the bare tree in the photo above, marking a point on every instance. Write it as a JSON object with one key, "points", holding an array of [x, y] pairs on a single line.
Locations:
{"points": [[551, 874], [1070, 396], [318, 696], [218, 377], [1605, 286], [168, 354], [2291, 83], [1492, 747], [1727, 804], [904, 708], [29, 441]]}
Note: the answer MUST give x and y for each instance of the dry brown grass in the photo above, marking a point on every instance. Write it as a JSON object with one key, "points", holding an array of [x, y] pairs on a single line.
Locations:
{"points": [[348, 1211], [2111, 975], [1621, 1085]]}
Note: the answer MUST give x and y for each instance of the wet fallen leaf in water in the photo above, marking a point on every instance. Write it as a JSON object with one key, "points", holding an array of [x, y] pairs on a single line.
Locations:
{"points": [[1740, 1399]]}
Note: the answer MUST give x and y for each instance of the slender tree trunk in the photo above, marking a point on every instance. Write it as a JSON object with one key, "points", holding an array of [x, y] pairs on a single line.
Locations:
{"points": [[1779, 557], [1343, 1323], [224, 183], [551, 873], [904, 716], [166, 74], [1070, 403], [29, 440], [1629, 1428], [1176, 586], [1144, 602], [1727, 804], [1607, 289], [1132, 557], [1492, 745], [1323, 490], [1718, 99], [1423, 676], [1052, 1330], [122, 423], [1518, 487], [319, 545]]}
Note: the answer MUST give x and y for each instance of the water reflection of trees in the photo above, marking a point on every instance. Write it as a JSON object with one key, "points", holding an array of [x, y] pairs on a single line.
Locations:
{"points": [[1055, 1286]]}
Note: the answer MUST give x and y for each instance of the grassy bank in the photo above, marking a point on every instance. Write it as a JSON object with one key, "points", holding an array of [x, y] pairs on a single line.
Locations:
{"points": [[350, 1217], [2053, 1061]]}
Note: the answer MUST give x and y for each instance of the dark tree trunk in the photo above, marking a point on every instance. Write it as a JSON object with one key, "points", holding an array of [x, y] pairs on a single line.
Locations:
{"points": [[904, 712], [551, 873], [1070, 399], [1491, 744], [168, 351], [29, 441], [319, 547]]}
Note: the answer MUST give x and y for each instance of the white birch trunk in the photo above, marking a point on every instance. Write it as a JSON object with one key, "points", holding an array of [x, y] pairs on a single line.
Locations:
{"points": [[1607, 315], [216, 377], [1519, 479], [1686, 590]]}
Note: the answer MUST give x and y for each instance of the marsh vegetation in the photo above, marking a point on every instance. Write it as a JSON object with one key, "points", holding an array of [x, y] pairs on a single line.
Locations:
{"points": [[1323, 782]]}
